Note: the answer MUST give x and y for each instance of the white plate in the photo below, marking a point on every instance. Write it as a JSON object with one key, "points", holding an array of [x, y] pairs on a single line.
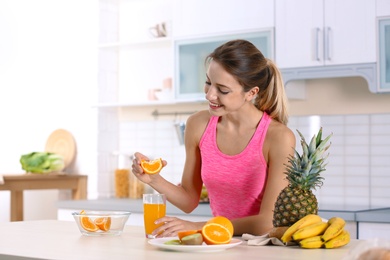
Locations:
{"points": [[159, 242]]}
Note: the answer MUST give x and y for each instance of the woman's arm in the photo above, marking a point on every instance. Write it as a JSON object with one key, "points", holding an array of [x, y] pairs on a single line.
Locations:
{"points": [[279, 144], [186, 196]]}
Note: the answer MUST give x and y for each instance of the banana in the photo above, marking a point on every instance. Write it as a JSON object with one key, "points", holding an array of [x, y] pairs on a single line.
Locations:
{"points": [[312, 230], [336, 225], [340, 240], [303, 222], [311, 242]]}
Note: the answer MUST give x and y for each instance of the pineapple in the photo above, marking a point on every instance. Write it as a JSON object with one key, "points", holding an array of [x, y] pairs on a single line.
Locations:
{"points": [[303, 174]]}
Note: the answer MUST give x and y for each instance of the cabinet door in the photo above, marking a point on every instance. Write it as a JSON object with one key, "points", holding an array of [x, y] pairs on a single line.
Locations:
{"points": [[298, 33], [349, 32], [368, 230], [382, 8], [204, 17], [317, 33], [384, 54]]}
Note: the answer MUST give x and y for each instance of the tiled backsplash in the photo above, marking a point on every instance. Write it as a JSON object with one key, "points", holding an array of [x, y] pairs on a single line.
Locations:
{"points": [[358, 170]]}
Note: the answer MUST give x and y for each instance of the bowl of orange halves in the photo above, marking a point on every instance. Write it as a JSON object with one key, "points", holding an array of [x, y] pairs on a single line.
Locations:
{"points": [[101, 223]]}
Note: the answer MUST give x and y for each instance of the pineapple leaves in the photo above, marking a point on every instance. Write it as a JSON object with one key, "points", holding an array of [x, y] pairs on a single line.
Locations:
{"points": [[313, 144], [319, 136], [304, 170]]}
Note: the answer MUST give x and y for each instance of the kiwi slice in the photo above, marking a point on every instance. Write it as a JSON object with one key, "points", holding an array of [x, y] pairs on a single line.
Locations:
{"points": [[173, 242], [193, 239]]}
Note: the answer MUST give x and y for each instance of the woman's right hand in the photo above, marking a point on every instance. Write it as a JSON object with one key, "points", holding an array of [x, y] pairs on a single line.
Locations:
{"points": [[139, 172]]}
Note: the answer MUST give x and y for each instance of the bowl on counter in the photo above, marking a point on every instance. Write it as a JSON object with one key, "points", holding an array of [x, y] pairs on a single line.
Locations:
{"points": [[101, 223]]}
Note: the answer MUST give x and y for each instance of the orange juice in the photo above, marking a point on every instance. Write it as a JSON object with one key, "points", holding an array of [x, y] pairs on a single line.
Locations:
{"points": [[151, 213]]}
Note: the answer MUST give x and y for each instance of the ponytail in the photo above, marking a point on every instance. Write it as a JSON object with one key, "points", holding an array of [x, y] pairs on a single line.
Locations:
{"points": [[272, 98]]}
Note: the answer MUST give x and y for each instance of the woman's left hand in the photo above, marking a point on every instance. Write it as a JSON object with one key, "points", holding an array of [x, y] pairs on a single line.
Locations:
{"points": [[172, 225]]}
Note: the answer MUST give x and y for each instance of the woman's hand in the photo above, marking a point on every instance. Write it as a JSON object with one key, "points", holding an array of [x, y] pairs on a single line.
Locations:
{"points": [[139, 172], [172, 225]]}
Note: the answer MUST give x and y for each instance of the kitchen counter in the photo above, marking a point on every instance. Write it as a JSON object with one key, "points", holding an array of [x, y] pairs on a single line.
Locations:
{"points": [[53, 239], [374, 216], [349, 213]]}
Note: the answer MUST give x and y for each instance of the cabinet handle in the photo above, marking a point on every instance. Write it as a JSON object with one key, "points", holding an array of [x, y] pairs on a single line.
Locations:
{"points": [[328, 55], [316, 44]]}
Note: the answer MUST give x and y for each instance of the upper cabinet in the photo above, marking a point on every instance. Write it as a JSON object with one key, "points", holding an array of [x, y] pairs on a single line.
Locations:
{"points": [[384, 54], [204, 17], [382, 8], [383, 46], [317, 32], [154, 49]]}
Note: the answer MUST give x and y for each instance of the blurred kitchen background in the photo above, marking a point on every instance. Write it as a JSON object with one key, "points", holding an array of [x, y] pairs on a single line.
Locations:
{"points": [[98, 69]]}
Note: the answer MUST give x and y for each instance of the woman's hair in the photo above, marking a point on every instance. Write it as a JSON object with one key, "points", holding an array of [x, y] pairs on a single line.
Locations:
{"points": [[248, 65]]}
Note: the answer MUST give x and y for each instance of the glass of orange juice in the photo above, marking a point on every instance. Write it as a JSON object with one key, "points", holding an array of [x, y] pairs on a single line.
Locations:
{"points": [[154, 208]]}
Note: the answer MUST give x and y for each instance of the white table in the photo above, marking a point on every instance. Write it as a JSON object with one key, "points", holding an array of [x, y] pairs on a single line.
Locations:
{"points": [[53, 239]]}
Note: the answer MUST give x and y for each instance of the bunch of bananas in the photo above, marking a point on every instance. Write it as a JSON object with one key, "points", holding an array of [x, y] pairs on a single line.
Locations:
{"points": [[312, 232]]}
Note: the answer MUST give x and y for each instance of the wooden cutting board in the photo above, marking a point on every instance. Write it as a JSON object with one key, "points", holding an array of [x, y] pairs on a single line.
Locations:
{"points": [[62, 142]]}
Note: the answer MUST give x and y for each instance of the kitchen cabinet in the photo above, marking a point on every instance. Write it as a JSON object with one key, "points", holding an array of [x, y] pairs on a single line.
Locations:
{"points": [[370, 230], [203, 17], [384, 54], [321, 33], [382, 8]]}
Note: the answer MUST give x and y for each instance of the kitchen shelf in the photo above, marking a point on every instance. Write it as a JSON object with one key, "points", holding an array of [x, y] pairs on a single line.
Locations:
{"points": [[137, 44], [150, 103]]}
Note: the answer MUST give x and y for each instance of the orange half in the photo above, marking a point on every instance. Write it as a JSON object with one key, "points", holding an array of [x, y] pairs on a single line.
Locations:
{"points": [[103, 223], [223, 221], [216, 234], [152, 167]]}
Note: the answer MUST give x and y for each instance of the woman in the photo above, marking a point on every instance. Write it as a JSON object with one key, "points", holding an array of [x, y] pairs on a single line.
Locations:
{"points": [[238, 147]]}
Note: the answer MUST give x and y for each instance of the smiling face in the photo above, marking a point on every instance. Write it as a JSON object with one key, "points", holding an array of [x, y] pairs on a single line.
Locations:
{"points": [[224, 92]]}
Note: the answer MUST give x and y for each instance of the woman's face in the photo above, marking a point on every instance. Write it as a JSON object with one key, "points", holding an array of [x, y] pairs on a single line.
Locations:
{"points": [[224, 93]]}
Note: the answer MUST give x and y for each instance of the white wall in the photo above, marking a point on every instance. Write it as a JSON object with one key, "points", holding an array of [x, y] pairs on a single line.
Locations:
{"points": [[48, 78]]}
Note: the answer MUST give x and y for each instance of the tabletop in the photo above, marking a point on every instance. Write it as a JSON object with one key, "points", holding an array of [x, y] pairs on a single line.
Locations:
{"points": [[53, 239]]}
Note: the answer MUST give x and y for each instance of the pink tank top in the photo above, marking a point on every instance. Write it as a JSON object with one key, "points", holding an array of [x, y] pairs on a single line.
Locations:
{"points": [[235, 183]]}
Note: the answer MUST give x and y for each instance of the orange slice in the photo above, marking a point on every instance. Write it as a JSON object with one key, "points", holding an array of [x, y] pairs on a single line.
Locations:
{"points": [[216, 234], [103, 223], [88, 224], [184, 233], [152, 167], [224, 222]]}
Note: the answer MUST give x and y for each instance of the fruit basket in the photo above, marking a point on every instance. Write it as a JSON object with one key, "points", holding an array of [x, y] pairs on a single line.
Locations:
{"points": [[101, 223]]}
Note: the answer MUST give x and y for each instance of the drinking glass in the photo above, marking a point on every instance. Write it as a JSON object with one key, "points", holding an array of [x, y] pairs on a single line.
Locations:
{"points": [[154, 208]]}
